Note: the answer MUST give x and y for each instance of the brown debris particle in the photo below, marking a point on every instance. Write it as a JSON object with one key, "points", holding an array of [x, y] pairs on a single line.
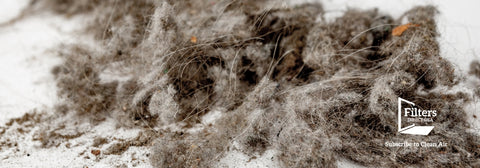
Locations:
{"points": [[398, 31], [95, 152], [193, 39]]}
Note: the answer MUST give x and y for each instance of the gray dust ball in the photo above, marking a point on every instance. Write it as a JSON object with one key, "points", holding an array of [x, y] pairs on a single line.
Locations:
{"points": [[282, 77]]}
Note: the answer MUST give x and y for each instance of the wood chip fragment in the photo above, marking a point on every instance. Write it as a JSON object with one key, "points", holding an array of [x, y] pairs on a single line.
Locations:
{"points": [[193, 39], [95, 152], [398, 31]]}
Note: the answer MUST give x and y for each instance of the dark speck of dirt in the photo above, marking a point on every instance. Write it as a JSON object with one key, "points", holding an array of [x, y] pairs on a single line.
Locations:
{"points": [[475, 68]]}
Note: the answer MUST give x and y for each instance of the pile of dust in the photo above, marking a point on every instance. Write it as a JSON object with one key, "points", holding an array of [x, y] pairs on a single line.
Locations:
{"points": [[283, 78]]}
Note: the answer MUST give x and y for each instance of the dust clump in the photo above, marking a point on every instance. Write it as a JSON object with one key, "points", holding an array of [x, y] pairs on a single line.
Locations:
{"points": [[282, 77], [475, 68]]}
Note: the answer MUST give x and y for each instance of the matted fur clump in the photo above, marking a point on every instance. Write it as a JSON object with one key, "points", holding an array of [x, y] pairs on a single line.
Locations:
{"points": [[282, 77]]}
